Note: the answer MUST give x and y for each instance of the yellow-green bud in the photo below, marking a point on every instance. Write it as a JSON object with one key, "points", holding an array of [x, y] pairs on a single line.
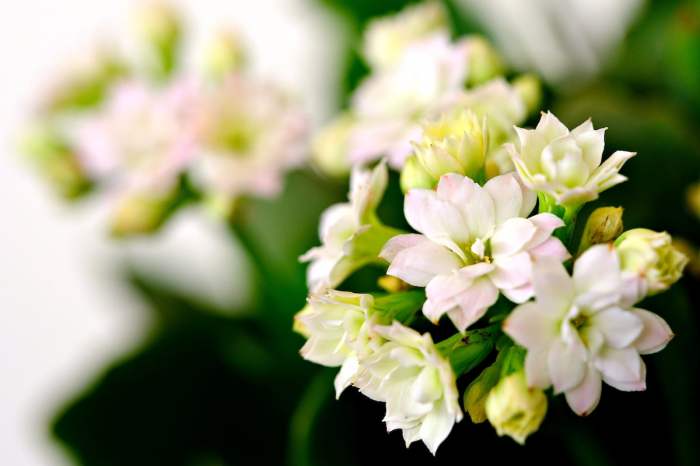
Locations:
{"points": [[651, 255], [529, 88], [223, 54], [159, 28], [329, 146], [485, 63], [456, 143], [693, 197], [414, 176], [478, 391], [514, 409], [138, 214], [603, 226]]}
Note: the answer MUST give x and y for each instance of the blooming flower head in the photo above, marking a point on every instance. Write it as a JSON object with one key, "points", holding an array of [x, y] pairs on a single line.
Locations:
{"points": [[649, 260], [416, 382], [339, 329], [350, 234], [515, 409], [249, 135], [579, 331], [386, 39], [390, 103], [473, 242], [566, 164], [144, 138]]}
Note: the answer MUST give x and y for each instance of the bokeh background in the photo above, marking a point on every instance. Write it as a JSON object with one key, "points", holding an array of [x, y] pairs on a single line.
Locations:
{"points": [[176, 349]]}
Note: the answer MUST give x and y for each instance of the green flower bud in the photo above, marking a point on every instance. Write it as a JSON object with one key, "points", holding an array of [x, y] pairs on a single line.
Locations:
{"points": [[529, 88], [514, 409], [55, 161], [456, 143], [414, 176], [141, 213], [329, 147], [159, 28], [485, 63], [651, 256], [603, 226], [478, 391], [223, 54]]}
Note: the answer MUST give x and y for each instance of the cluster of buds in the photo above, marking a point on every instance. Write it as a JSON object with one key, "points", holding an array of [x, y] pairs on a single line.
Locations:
{"points": [[492, 208], [157, 136]]}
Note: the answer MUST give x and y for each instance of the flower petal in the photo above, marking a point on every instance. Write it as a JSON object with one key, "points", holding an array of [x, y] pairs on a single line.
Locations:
{"points": [[554, 288], [655, 335], [619, 327], [530, 326], [475, 203], [566, 365], [436, 426], [597, 276], [512, 271], [584, 398], [511, 236], [436, 218], [398, 243], [507, 195], [473, 303], [346, 374], [622, 368], [546, 224], [537, 368], [418, 265]]}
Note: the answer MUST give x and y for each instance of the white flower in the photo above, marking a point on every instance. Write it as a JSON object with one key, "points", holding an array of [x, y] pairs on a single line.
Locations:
{"points": [[475, 241], [350, 233], [416, 382], [566, 164], [579, 330], [386, 39], [390, 103], [250, 134], [339, 331], [144, 138]]}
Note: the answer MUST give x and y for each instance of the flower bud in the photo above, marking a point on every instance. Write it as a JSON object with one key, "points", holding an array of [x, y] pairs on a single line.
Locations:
{"points": [[515, 410], [529, 88], [456, 143], [330, 146], [140, 213], [223, 54], [159, 28], [603, 226], [485, 63], [650, 256], [693, 197], [414, 176], [477, 393]]}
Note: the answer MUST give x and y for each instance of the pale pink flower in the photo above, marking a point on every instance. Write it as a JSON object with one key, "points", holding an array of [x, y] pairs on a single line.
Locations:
{"points": [[249, 135], [581, 331], [389, 105], [474, 242]]}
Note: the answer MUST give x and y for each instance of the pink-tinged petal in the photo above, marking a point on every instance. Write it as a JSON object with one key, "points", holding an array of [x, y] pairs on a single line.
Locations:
{"points": [[546, 224], [512, 271], [473, 303], [531, 327], [520, 294], [598, 270], [436, 218], [537, 369], [398, 243], [511, 236], [418, 265], [584, 398], [507, 195], [566, 365], [553, 248], [619, 327], [445, 292], [476, 205], [622, 368], [655, 335], [529, 198], [554, 289]]}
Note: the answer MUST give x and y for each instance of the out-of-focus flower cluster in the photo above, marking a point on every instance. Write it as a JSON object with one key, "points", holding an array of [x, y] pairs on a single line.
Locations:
{"points": [[155, 136], [492, 208]]}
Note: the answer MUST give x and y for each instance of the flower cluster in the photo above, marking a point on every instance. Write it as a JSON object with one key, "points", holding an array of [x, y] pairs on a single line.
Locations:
{"points": [[157, 136], [529, 304]]}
